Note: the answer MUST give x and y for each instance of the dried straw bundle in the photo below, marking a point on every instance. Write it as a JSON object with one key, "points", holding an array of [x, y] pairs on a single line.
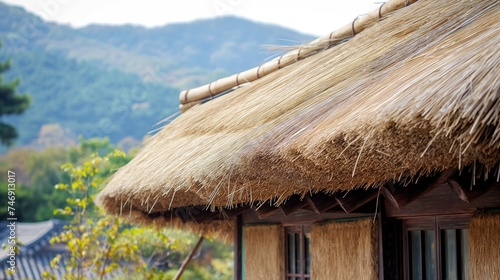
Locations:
{"points": [[264, 251], [414, 94], [222, 230], [344, 250], [484, 251]]}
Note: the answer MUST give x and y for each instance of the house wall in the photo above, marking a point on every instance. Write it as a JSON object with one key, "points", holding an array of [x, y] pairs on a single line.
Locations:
{"points": [[447, 207], [264, 252], [344, 250], [351, 250]]}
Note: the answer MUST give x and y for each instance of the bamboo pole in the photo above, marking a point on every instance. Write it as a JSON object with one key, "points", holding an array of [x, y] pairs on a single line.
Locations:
{"points": [[188, 259], [191, 97]]}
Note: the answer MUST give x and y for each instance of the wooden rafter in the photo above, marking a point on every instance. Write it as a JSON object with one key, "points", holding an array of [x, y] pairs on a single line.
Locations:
{"points": [[182, 214], [354, 199], [400, 196], [321, 203], [466, 191], [231, 213], [311, 205], [204, 216], [265, 210], [293, 204]]}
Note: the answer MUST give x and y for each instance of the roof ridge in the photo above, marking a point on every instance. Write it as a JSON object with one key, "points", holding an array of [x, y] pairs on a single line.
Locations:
{"points": [[191, 97]]}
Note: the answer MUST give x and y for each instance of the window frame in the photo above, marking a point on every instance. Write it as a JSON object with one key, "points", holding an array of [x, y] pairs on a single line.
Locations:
{"points": [[436, 223], [302, 230]]}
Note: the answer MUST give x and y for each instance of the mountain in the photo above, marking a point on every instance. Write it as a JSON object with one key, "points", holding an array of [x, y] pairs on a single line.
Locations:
{"points": [[118, 81]]}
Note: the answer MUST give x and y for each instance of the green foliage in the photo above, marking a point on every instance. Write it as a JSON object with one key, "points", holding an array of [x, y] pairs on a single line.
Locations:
{"points": [[103, 245], [10, 104], [97, 244], [37, 172]]}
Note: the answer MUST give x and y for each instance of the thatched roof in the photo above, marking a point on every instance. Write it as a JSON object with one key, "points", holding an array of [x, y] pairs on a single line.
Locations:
{"points": [[414, 94]]}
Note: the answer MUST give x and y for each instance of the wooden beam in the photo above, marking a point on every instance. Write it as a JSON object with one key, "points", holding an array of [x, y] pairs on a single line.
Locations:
{"points": [[231, 213], [265, 210], [354, 199], [293, 204], [182, 214], [311, 204], [203, 215], [321, 203], [400, 196], [460, 186], [158, 214], [194, 210]]}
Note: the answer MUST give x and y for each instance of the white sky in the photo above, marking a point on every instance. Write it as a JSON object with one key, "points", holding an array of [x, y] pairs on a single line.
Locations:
{"points": [[316, 17]]}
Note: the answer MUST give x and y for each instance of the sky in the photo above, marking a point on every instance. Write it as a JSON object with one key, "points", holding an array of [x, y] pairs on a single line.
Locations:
{"points": [[315, 17]]}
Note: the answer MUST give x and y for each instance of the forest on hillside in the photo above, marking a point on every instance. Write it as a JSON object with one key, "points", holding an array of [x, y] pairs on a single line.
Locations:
{"points": [[120, 81]]}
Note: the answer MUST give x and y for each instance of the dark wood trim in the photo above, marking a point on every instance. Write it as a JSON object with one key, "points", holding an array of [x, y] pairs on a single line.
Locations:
{"points": [[265, 210], [400, 196], [465, 191], [312, 205], [238, 241], [391, 238], [352, 200], [229, 214], [321, 202], [293, 204], [182, 214], [303, 253], [204, 216], [443, 200], [380, 248], [301, 216], [458, 238], [422, 197], [437, 224], [406, 255], [437, 235], [301, 230]]}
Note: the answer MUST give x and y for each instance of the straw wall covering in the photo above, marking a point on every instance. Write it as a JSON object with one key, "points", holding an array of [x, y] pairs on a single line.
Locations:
{"points": [[344, 250], [484, 246], [264, 252]]}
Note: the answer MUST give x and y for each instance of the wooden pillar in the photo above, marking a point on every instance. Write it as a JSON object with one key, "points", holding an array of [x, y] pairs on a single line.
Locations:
{"points": [[238, 239], [391, 243]]}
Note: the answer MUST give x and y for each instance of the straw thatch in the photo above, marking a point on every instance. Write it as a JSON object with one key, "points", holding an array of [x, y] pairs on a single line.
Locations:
{"points": [[344, 250], [484, 252], [222, 230], [414, 94], [191, 97], [264, 249]]}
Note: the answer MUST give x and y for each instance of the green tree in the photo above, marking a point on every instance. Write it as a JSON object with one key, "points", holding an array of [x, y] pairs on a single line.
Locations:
{"points": [[102, 245], [10, 103]]}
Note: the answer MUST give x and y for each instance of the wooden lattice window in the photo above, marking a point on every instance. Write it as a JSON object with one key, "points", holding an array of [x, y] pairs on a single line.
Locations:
{"points": [[298, 255], [436, 248]]}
